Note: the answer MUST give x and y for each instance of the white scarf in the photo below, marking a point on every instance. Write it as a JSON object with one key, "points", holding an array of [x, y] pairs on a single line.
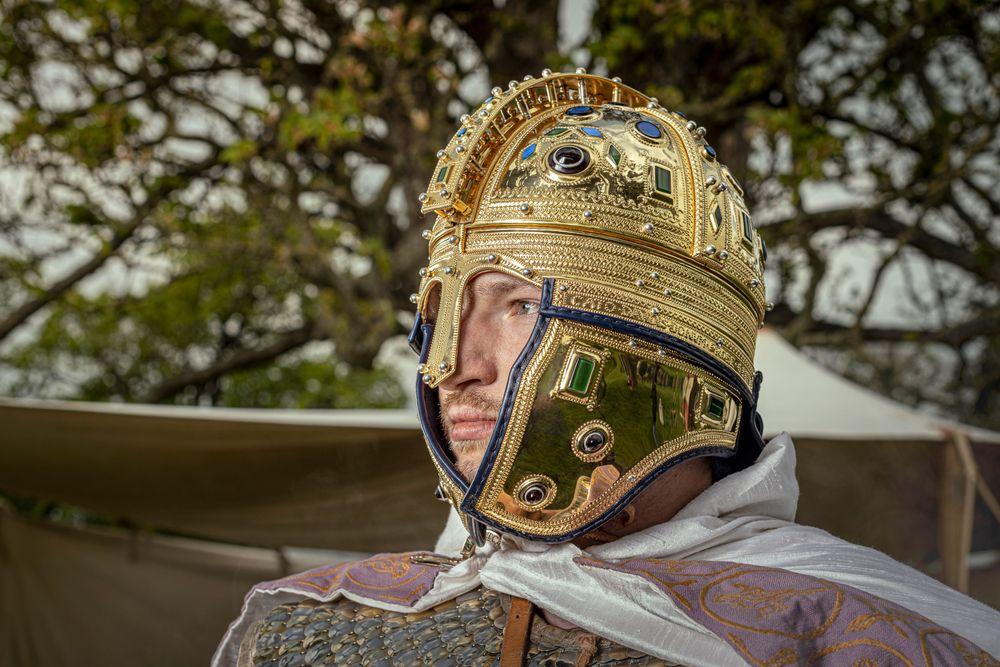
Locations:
{"points": [[745, 518]]}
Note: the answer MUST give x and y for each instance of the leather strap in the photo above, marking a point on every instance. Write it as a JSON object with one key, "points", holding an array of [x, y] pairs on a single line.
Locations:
{"points": [[516, 632]]}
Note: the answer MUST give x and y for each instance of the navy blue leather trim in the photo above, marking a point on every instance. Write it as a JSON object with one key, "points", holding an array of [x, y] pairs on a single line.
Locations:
{"points": [[514, 380], [692, 353], [428, 410], [416, 336]]}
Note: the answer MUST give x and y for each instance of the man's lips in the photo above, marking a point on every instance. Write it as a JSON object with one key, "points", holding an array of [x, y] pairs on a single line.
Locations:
{"points": [[470, 424]]}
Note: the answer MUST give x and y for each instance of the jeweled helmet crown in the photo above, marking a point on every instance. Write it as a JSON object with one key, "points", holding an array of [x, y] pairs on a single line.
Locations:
{"points": [[652, 295]]}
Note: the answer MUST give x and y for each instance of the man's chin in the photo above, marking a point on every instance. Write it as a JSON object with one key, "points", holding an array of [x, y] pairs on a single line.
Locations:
{"points": [[468, 455]]}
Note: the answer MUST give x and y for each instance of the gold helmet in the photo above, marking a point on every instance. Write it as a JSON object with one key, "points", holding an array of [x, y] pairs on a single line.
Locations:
{"points": [[652, 294]]}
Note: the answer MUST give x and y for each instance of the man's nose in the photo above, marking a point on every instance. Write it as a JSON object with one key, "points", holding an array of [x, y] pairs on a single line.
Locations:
{"points": [[476, 359]]}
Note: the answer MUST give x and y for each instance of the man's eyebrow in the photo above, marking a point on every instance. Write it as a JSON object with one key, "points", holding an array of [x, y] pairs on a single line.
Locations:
{"points": [[502, 286]]}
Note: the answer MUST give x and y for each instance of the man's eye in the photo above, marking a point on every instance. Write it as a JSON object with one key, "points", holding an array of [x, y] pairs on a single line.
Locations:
{"points": [[526, 307]]}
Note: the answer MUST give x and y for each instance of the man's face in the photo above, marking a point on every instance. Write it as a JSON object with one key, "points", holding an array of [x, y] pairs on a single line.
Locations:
{"points": [[498, 315]]}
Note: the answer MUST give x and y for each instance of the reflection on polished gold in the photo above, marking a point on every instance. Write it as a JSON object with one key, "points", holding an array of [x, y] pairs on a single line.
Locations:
{"points": [[650, 402]]}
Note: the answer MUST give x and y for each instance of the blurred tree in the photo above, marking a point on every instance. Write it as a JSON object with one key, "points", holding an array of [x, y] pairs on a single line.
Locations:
{"points": [[215, 201], [204, 193]]}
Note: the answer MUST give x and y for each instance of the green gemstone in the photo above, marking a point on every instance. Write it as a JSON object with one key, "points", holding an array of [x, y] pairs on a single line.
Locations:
{"points": [[556, 131], [747, 228], [716, 407], [614, 154], [584, 370], [661, 179], [442, 174]]}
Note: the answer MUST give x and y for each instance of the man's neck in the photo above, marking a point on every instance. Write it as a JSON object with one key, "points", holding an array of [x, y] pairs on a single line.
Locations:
{"points": [[656, 504]]}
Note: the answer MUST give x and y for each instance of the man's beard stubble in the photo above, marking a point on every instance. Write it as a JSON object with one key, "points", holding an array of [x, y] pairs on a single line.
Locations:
{"points": [[467, 453]]}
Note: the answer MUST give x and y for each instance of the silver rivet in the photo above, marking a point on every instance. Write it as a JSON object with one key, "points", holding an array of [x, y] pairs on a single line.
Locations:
{"points": [[525, 271], [422, 272], [769, 306], [422, 197], [700, 132], [440, 153], [525, 207], [721, 187], [640, 282], [460, 149], [512, 84], [632, 343], [691, 126], [464, 118], [648, 228], [655, 275], [426, 234], [668, 292], [710, 181], [527, 77], [661, 352], [491, 258], [581, 70], [710, 250], [719, 342], [723, 254], [484, 113], [443, 366], [413, 297], [588, 214], [448, 270], [427, 378], [754, 283], [546, 72], [651, 105], [452, 240], [616, 79], [563, 288], [497, 91], [631, 478], [444, 192], [654, 311]]}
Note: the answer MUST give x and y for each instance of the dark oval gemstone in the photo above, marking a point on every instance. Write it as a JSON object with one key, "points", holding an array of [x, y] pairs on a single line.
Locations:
{"points": [[581, 110], [681, 114], [569, 159], [534, 494], [710, 152], [592, 441], [649, 129]]}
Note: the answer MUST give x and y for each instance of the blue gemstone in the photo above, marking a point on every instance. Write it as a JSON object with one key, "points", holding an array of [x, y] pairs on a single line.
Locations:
{"points": [[529, 151], [488, 100], [681, 114], [591, 131], [579, 111], [710, 151], [648, 129], [461, 131], [763, 251]]}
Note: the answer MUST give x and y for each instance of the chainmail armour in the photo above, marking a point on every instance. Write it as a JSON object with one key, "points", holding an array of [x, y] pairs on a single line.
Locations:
{"points": [[467, 630]]}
